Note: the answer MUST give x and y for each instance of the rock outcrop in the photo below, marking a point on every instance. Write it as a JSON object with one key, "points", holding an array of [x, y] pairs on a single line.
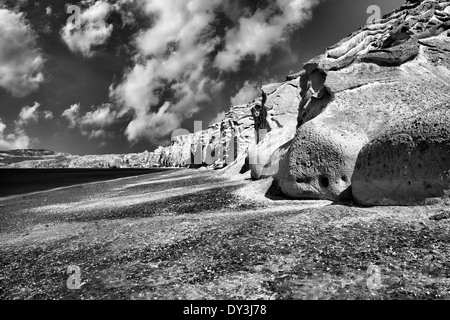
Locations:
{"points": [[244, 140], [220, 144], [309, 130], [378, 76], [408, 163], [280, 102]]}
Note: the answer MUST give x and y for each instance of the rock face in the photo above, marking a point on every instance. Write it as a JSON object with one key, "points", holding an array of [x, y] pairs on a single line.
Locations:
{"points": [[309, 130], [320, 161], [244, 140], [378, 76], [280, 103], [220, 144], [408, 163]]}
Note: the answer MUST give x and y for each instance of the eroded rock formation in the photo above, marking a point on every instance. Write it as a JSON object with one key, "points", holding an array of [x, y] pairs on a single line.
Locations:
{"points": [[379, 75], [268, 121], [407, 164], [220, 144], [309, 130]]}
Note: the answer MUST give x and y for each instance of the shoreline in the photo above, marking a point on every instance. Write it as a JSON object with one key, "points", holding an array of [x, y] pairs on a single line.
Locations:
{"points": [[22, 182]]}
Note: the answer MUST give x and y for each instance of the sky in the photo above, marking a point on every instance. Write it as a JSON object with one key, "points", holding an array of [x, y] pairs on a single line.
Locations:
{"points": [[119, 76]]}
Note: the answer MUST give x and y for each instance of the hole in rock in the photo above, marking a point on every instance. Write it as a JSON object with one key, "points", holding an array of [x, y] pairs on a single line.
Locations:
{"points": [[324, 182]]}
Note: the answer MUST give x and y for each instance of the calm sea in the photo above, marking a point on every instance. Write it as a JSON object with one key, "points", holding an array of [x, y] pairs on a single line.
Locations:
{"points": [[22, 181]]}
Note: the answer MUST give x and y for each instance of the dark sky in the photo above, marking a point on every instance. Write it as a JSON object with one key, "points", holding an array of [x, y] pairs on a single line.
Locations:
{"points": [[137, 77]]}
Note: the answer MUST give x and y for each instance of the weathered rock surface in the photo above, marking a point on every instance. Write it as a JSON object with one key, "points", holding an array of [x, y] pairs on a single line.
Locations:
{"points": [[408, 163], [220, 144], [378, 76], [281, 104], [245, 140], [309, 130], [320, 161]]}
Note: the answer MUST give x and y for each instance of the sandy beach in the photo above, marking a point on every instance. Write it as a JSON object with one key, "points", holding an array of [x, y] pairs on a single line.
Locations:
{"points": [[193, 234]]}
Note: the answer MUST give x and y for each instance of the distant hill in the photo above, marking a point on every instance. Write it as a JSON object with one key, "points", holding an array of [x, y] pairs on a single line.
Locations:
{"points": [[16, 156], [41, 158], [29, 152]]}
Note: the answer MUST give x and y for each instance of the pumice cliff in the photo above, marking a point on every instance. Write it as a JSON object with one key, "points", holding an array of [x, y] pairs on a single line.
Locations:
{"points": [[244, 129], [342, 106], [380, 76]]}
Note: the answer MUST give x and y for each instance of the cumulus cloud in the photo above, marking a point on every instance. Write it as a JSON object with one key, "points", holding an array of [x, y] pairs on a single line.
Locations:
{"points": [[102, 117], [16, 140], [218, 118], [72, 114], [48, 115], [176, 55], [94, 30], [28, 114], [171, 51], [154, 126], [248, 93], [258, 34], [31, 114], [92, 123], [21, 63]]}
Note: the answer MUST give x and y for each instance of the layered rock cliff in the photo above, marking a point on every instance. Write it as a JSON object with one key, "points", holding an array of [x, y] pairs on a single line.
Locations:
{"points": [[210, 147], [309, 130], [231, 141], [375, 79]]}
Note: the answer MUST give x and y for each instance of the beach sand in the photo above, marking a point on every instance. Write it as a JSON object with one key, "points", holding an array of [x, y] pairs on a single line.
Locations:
{"points": [[193, 234]]}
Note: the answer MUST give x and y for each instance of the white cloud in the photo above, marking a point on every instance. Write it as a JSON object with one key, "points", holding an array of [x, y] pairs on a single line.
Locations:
{"points": [[48, 115], [154, 126], [258, 34], [49, 10], [218, 118], [92, 123], [72, 115], [31, 114], [102, 117], [21, 63], [16, 140], [176, 21], [178, 52], [19, 139], [94, 29], [28, 114], [179, 24], [248, 93]]}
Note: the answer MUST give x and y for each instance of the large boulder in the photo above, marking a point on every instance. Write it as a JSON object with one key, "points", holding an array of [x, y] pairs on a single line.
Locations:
{"points": [[378, 76], [320, 161], [407, 164]]}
